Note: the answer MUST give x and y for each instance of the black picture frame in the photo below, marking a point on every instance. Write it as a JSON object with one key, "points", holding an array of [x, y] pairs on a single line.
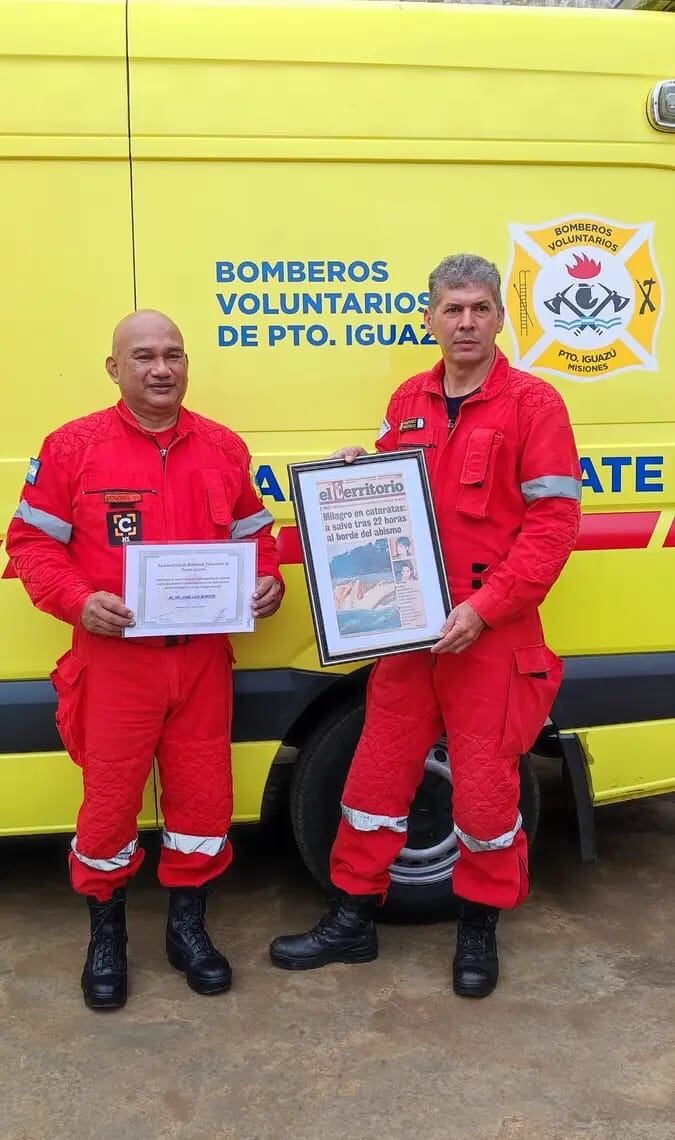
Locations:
{"points": [[426, 538]]}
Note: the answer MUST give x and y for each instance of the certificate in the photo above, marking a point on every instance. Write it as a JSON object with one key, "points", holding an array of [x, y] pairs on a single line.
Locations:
{"points": [[182, 587], [372, 554]]}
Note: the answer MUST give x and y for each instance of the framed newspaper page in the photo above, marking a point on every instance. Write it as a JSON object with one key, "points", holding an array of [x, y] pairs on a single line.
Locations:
{"points": [[372, 554]]}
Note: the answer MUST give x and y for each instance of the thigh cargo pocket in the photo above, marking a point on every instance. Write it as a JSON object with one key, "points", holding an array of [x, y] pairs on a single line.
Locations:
{"points": [[536, 674], [68, 680]]}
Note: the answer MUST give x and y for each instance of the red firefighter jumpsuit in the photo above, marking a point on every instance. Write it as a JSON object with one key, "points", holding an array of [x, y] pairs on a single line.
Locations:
{"points": [[103, 481], [506, 487]]}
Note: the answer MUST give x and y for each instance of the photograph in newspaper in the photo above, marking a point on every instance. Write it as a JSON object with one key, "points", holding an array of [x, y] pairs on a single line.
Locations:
{"points": [[368, 534], [370, 587]]}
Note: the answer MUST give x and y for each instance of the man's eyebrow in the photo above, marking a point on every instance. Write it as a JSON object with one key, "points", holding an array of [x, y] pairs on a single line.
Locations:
{"points": [[142, 348]]}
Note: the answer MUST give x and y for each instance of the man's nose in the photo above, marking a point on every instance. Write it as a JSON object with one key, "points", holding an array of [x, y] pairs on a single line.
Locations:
{"points": [[161, 368], [466, 321]]}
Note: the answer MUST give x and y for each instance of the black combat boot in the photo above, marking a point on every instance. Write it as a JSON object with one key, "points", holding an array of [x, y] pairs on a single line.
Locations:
{"points": [[104, 978], [476, 967], [189, 947], [346, 933]]}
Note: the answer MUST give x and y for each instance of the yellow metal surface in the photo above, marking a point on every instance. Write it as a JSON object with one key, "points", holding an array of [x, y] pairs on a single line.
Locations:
{"points": [[626, 761], [378, 137], [42, 791]]}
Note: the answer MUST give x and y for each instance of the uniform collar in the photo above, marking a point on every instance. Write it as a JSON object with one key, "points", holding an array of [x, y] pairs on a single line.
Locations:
{"points": [[495, 380], [182, 427]]}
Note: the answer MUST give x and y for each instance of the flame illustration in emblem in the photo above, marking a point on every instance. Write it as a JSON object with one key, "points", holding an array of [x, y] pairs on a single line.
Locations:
{"points": [[584, 267]]}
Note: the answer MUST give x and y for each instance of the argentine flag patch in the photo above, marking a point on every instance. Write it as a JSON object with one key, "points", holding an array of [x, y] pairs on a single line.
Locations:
{"points": [[33, 471]]}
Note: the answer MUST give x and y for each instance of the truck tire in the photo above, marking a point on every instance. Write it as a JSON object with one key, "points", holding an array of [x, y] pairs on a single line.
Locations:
{"points": [[421, 887]]}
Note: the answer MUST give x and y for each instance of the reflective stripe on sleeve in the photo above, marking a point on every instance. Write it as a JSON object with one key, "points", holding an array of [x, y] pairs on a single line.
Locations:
{"points": [[364, 821], [242, 528], [120, 860], [497, 844], [194, 844], [386, 426], [41, 520], [551, 487]]}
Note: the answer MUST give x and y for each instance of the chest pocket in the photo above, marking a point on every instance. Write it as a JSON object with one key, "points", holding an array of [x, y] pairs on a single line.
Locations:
{"points": [[478, 471], [425, 437], [119, 508], [218, 503]]}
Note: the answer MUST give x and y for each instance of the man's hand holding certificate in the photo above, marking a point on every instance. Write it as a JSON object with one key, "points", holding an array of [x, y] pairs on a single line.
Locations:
{"points": [[183, 588]]}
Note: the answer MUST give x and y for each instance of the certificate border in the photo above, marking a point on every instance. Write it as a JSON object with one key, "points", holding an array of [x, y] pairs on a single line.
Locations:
{"points": [[188, 629], [408, 455]]}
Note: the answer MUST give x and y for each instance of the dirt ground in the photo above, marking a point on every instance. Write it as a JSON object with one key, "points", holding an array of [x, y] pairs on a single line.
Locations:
{"points": [[578, 1042]]}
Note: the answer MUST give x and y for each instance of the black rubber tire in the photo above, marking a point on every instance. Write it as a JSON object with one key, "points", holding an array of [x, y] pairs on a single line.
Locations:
{"points": [[319, 775]]}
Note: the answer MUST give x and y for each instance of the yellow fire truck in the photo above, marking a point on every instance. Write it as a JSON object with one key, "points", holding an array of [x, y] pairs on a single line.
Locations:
{"points": [[280, 178]]}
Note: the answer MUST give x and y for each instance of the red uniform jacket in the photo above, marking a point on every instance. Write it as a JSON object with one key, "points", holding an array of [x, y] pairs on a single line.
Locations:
{"points": [[103, 480], [505, 483]]}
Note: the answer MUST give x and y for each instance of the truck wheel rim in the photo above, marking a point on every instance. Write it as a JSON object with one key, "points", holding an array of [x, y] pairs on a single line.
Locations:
{"points": [[432, 844]]}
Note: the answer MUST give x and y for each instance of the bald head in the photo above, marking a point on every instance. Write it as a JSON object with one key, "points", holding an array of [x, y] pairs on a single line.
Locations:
{"points": [[149, 364], [144, 322]]}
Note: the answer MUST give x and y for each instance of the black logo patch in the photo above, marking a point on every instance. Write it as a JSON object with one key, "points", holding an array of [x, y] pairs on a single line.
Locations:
{"points": [[415, 424], [123, 527]]}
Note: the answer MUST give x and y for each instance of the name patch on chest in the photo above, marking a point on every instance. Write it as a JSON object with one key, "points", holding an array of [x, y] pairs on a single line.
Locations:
{"points": [[122, 498], [123, 527], [412, 425]]}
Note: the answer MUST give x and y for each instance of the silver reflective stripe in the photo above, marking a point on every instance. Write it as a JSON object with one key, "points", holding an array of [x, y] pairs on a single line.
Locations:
{"points": [[364, 821], [50, 524], [386, 426], [551, 487], [241, 528], [497, 844], [194, 844], [121, 859]]}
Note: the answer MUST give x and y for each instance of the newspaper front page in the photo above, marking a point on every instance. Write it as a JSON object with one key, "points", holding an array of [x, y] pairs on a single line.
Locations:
{"points": [[371, 554]]}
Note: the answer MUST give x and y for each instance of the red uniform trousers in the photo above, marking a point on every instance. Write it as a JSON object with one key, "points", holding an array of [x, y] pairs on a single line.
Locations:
{"points": [[492, 700], [121, 703]]}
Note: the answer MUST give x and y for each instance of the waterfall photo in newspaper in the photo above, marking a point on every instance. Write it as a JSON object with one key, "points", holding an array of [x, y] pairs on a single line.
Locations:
{"points": [[372, 555]]}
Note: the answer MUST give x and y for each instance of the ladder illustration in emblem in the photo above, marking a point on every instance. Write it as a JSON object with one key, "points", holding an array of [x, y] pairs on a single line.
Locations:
{"points": [[523, 307]]}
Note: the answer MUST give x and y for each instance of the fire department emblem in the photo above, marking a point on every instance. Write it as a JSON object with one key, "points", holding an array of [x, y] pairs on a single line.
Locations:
{"points": [[584, 297]]}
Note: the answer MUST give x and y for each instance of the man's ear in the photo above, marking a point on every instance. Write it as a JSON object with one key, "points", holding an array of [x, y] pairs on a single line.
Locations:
{"points": [[500, 320], [112, 369]]}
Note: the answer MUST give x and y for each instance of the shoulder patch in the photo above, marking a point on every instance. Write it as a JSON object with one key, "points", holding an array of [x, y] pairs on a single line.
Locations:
{"points": [[33, 471]]}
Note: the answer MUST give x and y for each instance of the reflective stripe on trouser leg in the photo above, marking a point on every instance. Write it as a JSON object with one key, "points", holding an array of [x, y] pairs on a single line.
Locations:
{"points": [[403, 722], [366, 821], [495, 878], [114, 863], [210, 845], [496, 844], [100, 876]]}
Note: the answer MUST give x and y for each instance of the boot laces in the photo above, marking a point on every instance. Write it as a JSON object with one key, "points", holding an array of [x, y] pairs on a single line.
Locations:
{"points": [[106, 954], [339, 916], [191, 926], [475, 935], [105, 939]]}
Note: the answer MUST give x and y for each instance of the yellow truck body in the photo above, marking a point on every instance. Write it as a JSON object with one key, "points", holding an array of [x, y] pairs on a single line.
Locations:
{"points": [[280, 178]]}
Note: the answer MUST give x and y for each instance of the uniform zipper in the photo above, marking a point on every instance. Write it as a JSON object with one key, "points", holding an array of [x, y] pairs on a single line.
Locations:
{"points": [[164, 454], [121, 491]]}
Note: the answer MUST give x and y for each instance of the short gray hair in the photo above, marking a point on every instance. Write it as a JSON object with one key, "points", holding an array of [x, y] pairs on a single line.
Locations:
{"points": [[460, 269]]}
